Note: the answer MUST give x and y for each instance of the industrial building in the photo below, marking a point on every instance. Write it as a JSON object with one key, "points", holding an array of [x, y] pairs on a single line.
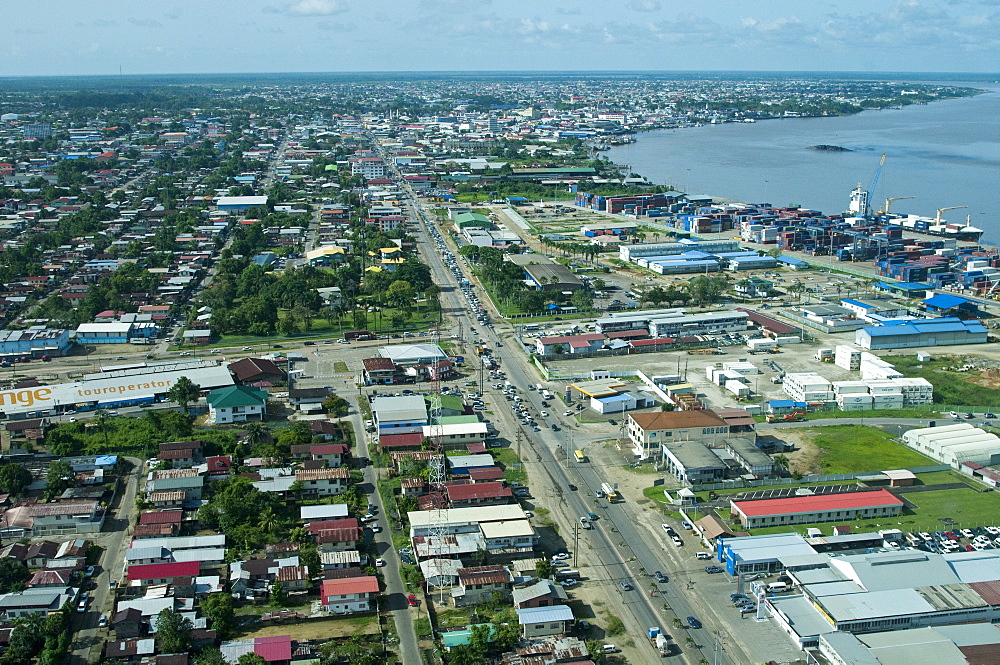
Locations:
{"points": [[632, 252], [816, 508], [551, 277], [674, 322], [955, 444], [760, 554], [405, 414], [34, 342], [930, 332], [873, 593], [610, 396], [127, 387], [114, 333], [648, 431]]}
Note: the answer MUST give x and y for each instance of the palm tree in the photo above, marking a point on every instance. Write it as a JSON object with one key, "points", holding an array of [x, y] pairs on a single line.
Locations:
{"points": [[256, 433], [268, 521], [781, 461]]}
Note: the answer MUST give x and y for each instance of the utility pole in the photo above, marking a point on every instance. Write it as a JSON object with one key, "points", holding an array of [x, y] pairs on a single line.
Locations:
{"points": [[576, 540]]}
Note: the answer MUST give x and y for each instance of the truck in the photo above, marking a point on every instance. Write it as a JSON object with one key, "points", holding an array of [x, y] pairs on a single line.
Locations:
{"points": [[359, 335], [610, 492], [660, 641]]}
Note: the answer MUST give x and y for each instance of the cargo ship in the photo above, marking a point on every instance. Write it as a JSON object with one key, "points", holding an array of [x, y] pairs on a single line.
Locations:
{"points": [[859, 209]]}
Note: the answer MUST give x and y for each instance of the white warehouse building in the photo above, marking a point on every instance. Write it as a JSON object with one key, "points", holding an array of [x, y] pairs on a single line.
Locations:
{"points": [[955, 444]]}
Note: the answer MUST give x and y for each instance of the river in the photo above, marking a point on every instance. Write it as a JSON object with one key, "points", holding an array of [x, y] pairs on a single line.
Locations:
{"points": [[944, 154]]}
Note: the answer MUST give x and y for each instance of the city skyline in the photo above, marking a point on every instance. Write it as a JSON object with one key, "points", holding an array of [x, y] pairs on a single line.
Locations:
{"points": [[62, 37]]}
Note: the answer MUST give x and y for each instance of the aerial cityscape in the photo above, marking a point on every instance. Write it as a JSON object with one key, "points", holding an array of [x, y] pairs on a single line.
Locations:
{"points": [[552, 356]]}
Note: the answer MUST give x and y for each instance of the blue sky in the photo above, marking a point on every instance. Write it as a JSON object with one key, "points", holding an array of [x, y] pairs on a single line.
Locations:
{"points": [[64, 37]]}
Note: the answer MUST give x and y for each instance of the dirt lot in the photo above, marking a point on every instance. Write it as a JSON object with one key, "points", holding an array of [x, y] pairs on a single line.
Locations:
{"points": [[321, 629]]}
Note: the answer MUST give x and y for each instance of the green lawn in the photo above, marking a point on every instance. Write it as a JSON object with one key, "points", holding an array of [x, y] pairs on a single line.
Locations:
{"points": [[513, 469], [857, 448]]}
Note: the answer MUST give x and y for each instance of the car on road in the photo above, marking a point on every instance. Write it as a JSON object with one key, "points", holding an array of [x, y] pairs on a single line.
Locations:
{"points": [[185, 353], [693, 623], [543, 414], [712, 569], [989, 415], [81, 607], [625, 586], [89, 572], [567, 413], [375, 527], [555, 428], [954, 414], [379, 563], [560, 556], [968, 416], [572, 487], [571, 582], [103, 621], [660, 577]]}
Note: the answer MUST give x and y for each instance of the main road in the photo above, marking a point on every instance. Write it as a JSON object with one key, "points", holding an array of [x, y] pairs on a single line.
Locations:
{"points": [[618, 548]]}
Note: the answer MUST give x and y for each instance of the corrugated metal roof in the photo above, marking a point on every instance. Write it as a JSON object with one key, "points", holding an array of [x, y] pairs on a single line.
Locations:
{"points": [[822, 502], [544, 614]]}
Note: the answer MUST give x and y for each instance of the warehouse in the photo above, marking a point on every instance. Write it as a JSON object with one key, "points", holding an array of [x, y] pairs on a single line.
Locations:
{"points": [[35, 342], [551, 277], [240, 203], [760, 554], [125, 388], [816, 508], [931, 332], [955, 444], [633, 252]]}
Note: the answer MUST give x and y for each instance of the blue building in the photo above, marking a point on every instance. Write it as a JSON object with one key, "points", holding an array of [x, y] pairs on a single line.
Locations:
{"points": [[952, 304], [36, 341], [760, 554], [922, 332]]}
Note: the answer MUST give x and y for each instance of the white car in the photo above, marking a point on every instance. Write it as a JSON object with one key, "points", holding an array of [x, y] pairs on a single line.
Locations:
{"points": [[529, 514], [375, 527], [568, 583], [379, 563], [543, 414], [568, 413], [560, 557]]}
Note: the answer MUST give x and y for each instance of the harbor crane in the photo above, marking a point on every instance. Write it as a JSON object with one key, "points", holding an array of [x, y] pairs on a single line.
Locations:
{"points": [[888, 202], [937, 219]]}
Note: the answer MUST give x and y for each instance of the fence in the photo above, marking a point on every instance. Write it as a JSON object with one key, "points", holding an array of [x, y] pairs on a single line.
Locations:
{"points": [[741, 484]]}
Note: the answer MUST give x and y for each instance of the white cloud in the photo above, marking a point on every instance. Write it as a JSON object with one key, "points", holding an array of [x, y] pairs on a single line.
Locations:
{"points": [[644, 5], [315, 8]]}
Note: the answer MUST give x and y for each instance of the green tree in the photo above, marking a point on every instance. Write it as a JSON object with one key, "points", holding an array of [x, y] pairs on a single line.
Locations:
{"points": [[278, 595], [251, 659], [336, 405], [184, 392], [26, 639], [59, 478], [582, 299], [220, 611], [210, 656], [173, 632], [13, 573], [544, 569], [14, 478]]}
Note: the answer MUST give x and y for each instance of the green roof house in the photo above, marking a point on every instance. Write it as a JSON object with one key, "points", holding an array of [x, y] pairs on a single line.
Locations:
{"points": [[236, 404]]}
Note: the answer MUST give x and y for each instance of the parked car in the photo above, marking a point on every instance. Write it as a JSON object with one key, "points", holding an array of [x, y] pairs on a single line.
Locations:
{"points": [[712, 569]]}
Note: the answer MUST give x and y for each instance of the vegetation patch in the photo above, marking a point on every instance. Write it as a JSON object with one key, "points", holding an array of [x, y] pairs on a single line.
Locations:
{"points": [[973, 387], [857, 448]]}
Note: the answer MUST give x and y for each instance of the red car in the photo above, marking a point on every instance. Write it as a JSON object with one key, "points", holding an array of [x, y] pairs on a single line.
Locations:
{"points": [[412, 600]]}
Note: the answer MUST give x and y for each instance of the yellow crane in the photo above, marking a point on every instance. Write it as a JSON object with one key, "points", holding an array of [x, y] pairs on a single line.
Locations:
{"points": [[888, 202], [943, 210]]}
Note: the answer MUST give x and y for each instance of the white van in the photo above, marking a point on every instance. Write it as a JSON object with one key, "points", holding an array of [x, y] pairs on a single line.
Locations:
{"points": [[704, 556], [608, 648], [777, 587]]}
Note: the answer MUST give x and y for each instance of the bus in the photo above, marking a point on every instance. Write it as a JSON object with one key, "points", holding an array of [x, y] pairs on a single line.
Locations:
{"points": [[610, 493], [580, 457]]}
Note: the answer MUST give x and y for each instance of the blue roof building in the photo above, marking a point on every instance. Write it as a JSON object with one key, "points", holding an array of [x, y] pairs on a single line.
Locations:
{"points": [[923, 332], [947, 302]]}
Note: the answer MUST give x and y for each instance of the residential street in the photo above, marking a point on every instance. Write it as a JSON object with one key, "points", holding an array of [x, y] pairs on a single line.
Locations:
{"points": [[114, 539]]}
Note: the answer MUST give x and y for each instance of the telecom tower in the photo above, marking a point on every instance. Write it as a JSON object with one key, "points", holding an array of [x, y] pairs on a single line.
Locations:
{"points": [[438, 526]]}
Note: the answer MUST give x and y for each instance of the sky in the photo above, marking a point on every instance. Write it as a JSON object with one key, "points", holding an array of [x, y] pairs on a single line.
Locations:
{"points": [[73, 37]]}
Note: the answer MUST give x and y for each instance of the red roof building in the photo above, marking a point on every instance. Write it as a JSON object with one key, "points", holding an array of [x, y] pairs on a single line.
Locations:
{"points": [[348, 594], [817, 508], [478, 494], [162, 517], [401, 441], [162, 573], [486, 474]]}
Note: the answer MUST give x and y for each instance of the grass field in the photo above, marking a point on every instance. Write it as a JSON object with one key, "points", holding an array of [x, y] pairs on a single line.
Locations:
{"points": [[513, 470], [857, 448], [953, 388]]}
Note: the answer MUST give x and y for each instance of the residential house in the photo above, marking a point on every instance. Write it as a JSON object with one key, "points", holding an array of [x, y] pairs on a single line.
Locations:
{"points": [[45, 600], [162, 573], [543, 593], [128, 623], [276, 650], [379, 371], [323, 482], [478, 494], [40, 553], [541, 621], [50, 578], [569, 344], [340, 560], [253, 577], [64, 518], [336, 535], [191, 485], [349, 594], [236, 404], [308, 399], [331, 511], [181, 454], [129, 650], [479, 584]]}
